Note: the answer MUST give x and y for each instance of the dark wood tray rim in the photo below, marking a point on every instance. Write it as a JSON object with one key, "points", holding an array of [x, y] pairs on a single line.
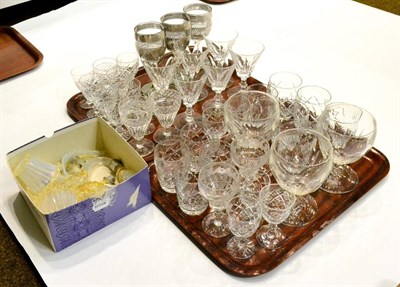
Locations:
{"points": [[27, 46]]}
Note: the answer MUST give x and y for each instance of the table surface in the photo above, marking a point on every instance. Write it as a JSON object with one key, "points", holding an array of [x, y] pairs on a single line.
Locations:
{"points": [[349, 48]]}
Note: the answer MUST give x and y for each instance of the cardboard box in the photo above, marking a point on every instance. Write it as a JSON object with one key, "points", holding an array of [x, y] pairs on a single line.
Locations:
{"points": [[69, 225]]}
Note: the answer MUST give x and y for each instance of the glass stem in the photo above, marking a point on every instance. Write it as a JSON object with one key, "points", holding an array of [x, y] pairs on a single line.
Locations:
{"points": [[243, 84], [189, 114], [218, 98]]}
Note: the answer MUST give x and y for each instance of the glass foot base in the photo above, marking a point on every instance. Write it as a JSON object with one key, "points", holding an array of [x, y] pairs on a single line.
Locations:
{"points": [[303, 212], [270, 237], [216, 225], [212, 103], [342, 179], [181, 120], [203, 95], [144, 147], [241, 248], [163, 135]]}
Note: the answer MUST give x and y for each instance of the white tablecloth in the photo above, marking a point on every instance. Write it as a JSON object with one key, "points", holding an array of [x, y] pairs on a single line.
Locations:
{"points": [[349, 48]]}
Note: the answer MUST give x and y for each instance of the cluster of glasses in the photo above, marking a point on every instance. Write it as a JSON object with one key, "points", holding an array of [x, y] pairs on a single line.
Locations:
{"points": [[274, 145], [107, 86], [255, 155]]}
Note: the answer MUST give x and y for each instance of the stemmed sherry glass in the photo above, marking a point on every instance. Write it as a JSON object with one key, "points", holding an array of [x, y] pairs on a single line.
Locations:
{"points": [[190, 89], [244, 216], [136, 116], [352, 131], [245, 53], [166, 105], [217, 183], [219, 75], [276, 204]]}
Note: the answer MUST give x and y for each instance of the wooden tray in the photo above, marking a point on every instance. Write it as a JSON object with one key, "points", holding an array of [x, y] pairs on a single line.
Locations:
{"points": [[17, 54], [371, 169]]}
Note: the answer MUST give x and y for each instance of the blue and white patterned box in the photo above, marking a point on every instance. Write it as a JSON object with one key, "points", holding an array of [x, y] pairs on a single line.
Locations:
{"points": [[69, 225]]}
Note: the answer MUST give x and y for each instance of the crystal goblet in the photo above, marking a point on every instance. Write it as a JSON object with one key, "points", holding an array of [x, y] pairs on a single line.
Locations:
{"points": [[251, 113], [218, 184], [300, 161], [352, 131], [244, 216], [276, 205]]}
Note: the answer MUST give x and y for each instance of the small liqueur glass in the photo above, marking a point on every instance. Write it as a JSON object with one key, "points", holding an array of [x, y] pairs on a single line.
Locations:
{"points": [[244, 216], [218, 184], [276, 206], [192, 137]]}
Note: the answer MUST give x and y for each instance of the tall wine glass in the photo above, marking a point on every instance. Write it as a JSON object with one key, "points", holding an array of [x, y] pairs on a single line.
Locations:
{"points": [[177, 28], [276, 204], [244, 216], [300, 161], [217, 183], [219, 75], [190, 89], [200, 15], [315, 99], [166, 105], [245, 53], [352, 131]]}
